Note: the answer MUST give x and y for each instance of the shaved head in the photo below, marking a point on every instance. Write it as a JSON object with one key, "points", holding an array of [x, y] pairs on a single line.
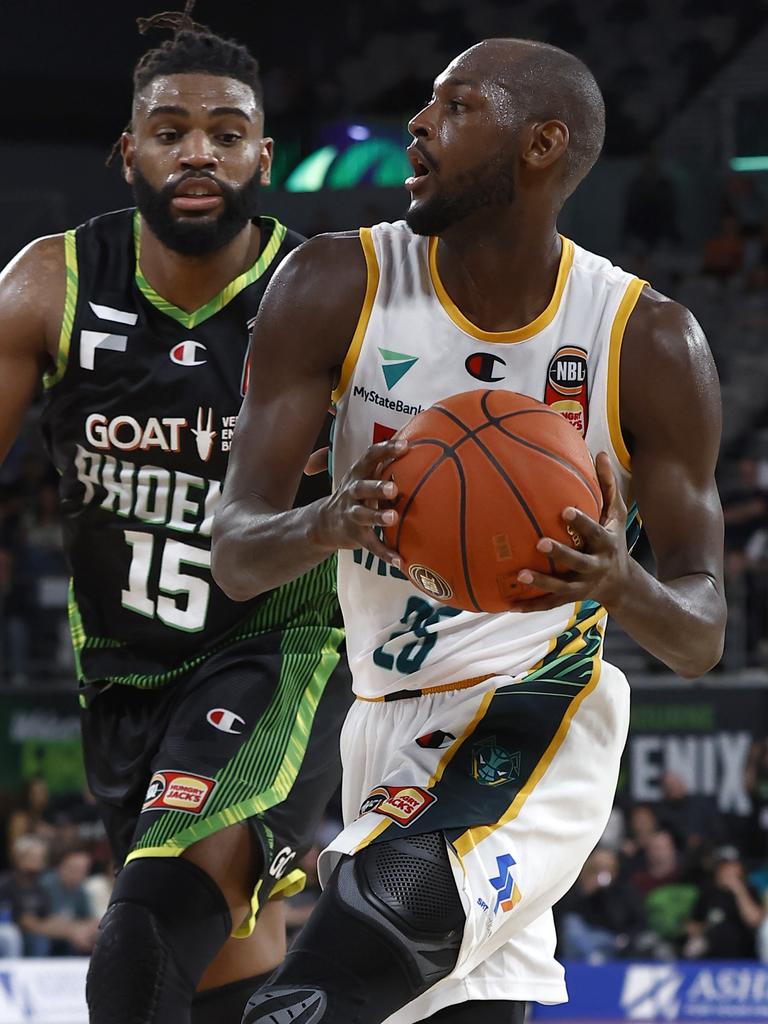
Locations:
{"points": [[546, 83]]}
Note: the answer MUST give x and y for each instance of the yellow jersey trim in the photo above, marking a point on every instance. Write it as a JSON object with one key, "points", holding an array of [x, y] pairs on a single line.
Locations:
{"points": [[372, 286], [474, 836], [613, 406], [68, 317], [521, 333]]}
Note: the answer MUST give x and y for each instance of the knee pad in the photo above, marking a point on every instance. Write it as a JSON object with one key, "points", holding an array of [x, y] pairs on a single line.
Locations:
{"points": [[166, 921], [387, 928]]}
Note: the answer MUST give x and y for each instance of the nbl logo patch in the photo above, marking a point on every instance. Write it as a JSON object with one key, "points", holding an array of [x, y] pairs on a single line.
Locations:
{"points": [[567, 388]]}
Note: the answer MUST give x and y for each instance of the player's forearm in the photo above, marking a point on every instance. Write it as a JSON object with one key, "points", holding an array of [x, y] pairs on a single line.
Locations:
{"points": [[257, 548], [681, 622]]}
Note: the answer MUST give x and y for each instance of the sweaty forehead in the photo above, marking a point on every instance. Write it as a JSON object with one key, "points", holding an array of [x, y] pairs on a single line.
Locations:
{"points": [[197, 93], [491, 69]]}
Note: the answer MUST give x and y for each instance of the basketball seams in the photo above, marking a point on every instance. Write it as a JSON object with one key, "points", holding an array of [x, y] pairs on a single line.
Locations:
{"points": [[497, 422], [448, 454], [471, 434]]}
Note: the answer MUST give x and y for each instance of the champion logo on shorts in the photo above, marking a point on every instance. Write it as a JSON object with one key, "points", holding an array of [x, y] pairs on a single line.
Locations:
{"points": [[178, 791], [403, 804], [224, 720], [435, 740]]}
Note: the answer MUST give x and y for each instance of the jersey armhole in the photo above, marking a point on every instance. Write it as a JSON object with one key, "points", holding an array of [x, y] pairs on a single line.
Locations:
{"points": [[627, 304], [353, 352], [68, 319]]}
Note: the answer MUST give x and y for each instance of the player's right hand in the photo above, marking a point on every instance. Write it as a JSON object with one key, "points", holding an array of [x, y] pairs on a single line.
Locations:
{"points": [[349, 517]]}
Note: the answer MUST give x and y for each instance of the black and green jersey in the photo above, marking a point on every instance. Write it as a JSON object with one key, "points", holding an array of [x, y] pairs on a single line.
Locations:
{"points": [[139, 415]]}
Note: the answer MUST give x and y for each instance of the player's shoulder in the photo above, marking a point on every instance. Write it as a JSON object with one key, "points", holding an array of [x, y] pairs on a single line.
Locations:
{"points": [[33, 276], [664, 334], [326, 266]]}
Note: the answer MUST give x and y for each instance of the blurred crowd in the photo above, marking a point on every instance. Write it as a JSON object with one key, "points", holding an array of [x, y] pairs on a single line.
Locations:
{"points": [[55, 874], [667, 881]]}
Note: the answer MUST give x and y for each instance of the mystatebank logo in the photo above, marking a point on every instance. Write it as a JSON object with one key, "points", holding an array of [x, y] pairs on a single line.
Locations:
{"points": [[384, 401]]}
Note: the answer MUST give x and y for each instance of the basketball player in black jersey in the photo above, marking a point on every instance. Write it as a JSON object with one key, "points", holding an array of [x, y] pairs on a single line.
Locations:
{"points": [[211, 740]]}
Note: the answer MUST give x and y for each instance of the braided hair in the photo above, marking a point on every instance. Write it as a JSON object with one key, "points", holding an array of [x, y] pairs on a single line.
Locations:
{"points": [[192, 48]]}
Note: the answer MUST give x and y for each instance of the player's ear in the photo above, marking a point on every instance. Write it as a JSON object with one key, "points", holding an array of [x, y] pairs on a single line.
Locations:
{"points": [[127, 152], [265, 160], [547, 142]]}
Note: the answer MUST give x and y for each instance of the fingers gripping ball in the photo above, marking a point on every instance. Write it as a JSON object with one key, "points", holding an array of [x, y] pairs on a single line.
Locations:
{"points": [[486, 475]]}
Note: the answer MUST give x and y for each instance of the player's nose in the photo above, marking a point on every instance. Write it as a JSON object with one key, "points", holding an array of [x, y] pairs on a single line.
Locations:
{"points": [[421, 125], [197, 151]]}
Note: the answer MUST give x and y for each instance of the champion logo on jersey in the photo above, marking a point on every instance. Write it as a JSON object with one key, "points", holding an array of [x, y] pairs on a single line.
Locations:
{"points": [[186, 353], [225, 721], [482, 366], [395, 365]]}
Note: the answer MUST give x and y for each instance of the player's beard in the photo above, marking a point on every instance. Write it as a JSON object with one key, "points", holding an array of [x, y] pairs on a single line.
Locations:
{"points": [[491, 184], [189, 235]]}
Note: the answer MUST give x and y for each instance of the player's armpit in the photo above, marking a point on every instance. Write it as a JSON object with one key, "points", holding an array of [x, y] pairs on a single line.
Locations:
{"points": [[671, 418], [32, 290]]}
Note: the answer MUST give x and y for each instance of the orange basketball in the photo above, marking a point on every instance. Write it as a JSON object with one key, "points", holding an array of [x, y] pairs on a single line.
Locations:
{"points": [[486, 475]]}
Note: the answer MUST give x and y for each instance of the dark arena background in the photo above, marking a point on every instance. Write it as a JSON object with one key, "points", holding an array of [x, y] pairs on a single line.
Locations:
{"points": [[669, 918]]}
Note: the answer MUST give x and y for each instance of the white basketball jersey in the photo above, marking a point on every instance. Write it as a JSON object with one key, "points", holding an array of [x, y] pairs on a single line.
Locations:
{"points": [[413, 347]]}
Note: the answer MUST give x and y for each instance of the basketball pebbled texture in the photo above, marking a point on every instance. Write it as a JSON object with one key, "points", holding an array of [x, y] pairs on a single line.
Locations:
{"points": [[487, 474]]}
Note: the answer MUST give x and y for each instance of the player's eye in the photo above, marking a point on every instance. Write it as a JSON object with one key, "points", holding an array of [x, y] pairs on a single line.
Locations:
{"points": [[229, 138], [167, 135], [456, 105]]}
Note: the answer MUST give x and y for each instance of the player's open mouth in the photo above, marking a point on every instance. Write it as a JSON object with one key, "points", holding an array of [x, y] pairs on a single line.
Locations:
{"points": [[421, 171], [197, 195]]}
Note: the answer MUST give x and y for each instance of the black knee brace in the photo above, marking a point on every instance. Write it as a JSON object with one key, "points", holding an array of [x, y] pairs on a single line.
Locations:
{"points": [[388, 927], [166, 921]]}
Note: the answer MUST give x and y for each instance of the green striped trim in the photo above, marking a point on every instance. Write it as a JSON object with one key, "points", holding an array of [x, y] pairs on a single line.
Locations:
{"points": [[306, 601], [68, 319], [218, 302], [265, 768]]}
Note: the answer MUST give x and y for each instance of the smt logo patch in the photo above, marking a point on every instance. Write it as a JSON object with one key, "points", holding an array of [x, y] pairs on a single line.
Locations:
{"points": [[178, 791], [403, 804]]}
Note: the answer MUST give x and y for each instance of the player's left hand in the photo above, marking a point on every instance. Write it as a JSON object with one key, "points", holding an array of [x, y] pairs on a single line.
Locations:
{"points": [[597, 572]]}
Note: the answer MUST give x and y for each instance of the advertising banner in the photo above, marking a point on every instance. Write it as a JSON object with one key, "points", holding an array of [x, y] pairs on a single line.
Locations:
{"points": [[704, 991]]}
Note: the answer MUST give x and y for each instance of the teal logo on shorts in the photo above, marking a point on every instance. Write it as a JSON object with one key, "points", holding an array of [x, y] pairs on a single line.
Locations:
{"points": [[493, 765]]}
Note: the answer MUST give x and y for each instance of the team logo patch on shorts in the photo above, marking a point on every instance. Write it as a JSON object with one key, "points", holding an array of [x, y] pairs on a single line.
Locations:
{"points": [[492, 764], [178, 791], [403, 804]]}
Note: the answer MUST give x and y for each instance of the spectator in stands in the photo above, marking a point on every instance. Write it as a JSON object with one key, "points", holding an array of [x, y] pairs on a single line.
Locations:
{"points": [[745, 511], [602, 915], [727, 915], [662, 862], [693, 820], [643, 824], [30, 815], [724, 251], [22, 888], [756, 784], [69, 901], [651, 207]]}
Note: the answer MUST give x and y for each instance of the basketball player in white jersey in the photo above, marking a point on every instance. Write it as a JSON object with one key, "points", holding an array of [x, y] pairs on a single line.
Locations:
{"points": [[482, 754]]}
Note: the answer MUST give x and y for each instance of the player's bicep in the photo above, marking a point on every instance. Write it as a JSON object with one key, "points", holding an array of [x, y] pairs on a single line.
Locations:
{"points": [[303, 329], [673, 404]]}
